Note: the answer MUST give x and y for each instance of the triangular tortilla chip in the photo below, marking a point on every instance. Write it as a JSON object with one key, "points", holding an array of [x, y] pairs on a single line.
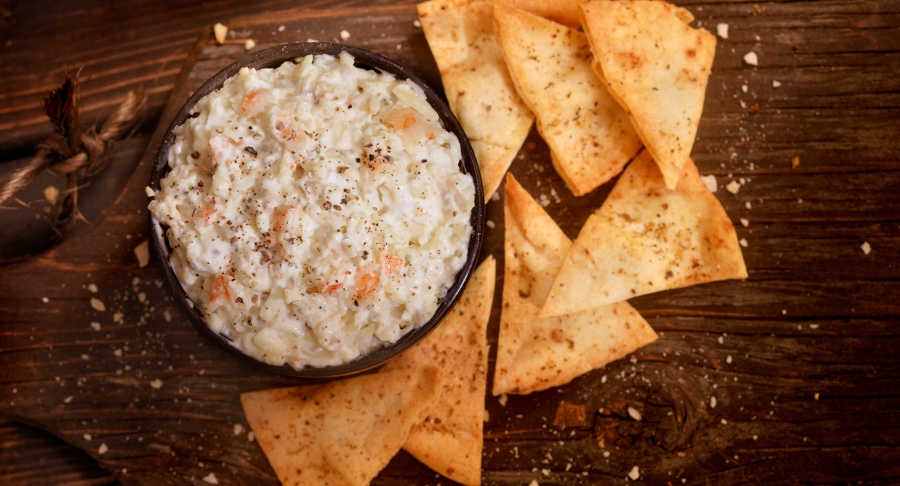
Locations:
{"points": [[588, 132], [479, 90], [535, 354], [657, 67], [564, 12], [450, 439], [646, 238], [343, 432]]}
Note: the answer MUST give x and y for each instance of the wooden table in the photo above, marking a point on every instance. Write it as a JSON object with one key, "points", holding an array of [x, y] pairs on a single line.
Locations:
{"points": [[802, 358]]}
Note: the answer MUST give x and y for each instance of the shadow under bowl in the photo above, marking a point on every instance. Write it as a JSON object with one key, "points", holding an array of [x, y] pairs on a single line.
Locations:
{"points": [[274, 57]]}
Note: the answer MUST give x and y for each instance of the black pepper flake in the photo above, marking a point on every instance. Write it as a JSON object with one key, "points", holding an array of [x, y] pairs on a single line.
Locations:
{"points": [[239, 300], [250, 150], [195, 155], [424, 160], [365, 255], [371, 157], [357, 160]]}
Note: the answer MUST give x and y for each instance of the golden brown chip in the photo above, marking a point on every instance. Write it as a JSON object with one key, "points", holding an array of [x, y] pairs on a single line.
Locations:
{"points": [[343, 432], [479, 90], [646, 238], [535, 354], [564, 12], [450, 439], [657, 67], [589, 134]]}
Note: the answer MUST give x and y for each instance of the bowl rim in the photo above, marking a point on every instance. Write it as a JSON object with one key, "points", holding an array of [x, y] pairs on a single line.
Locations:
{"points": [[273, 57]]}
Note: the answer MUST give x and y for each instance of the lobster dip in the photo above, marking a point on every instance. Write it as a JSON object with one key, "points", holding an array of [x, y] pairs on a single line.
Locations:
{"points": [[315, 211]]}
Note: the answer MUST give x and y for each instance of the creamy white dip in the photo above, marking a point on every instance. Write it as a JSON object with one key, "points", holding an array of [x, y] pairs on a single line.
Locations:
{"points": [[315, 211]]}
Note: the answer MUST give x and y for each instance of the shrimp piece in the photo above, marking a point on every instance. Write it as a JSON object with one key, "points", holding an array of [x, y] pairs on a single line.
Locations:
{"points": [[209, 211], [390, 265], [329, 289], [276, 228], [255, 101], [366, 284], [410, 125], [220, 289]]}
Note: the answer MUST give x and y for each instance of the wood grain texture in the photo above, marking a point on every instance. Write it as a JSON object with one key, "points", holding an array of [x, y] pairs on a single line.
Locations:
{"points": [[800, 358]]}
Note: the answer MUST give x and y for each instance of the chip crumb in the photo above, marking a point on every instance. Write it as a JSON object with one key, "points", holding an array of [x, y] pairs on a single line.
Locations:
{"points": [[534, 483], [745, 222], [117, 353], [634, 413], [87, 437], [495, 196], [249, 44], [748, 205], [743, 242], [142, 252], [490, 224], [816, 396], [102, 449], [167, 315], [85, 357], [220, 31], [722, 30], [345, 35], [712, 402], [751, 58], [281, 28], [784, 312], [156, 384], [813, 326], [503, 399], [92, 288], [118, 316], [51, 194], [634, 474], [866, 247], [724, 422], [68, 399], [776, 84], [210, 478], [251, 436], [744, 88], [545, 472], [795, 162], [733, 187], [728, 359], [711, 183], [149, 191], [238, 429], [417, 24], [95, 326], [45, 299], [98, 305]]}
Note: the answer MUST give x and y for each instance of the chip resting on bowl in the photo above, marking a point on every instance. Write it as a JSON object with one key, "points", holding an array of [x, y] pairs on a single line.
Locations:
{"points": [[343, 432], [657, 67], [479, 90], [534, 354], [589, 133], [647, 238], [450, 439]]}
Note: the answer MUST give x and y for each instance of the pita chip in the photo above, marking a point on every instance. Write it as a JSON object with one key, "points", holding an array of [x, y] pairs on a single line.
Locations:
{"points": [[343, 432], [450, 439], [657, 67], [479, 89], [535, 354], [564, 12], [589, 133], [646, 238]]}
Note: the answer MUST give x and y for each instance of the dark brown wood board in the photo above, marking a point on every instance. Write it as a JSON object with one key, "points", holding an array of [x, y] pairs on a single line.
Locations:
{"points": [[801, 357]]}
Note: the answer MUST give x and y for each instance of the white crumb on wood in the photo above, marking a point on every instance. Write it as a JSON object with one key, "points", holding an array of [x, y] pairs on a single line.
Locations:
{"points": [[634, 413], [634, 474], [733, 187], [95, 326], [142, 252], [210, 478], [220, 31], [97, 305], [249, 44], [102, 449], [503, 399], [751, 58], [866, 247], [156, 384], [711, 183], [745, 222], [238, 429], [345, 35], [722, 30], [776, 84]]}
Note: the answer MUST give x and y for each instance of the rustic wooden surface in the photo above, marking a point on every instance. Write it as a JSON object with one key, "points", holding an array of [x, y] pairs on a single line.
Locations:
{"points": [[801, 358]]}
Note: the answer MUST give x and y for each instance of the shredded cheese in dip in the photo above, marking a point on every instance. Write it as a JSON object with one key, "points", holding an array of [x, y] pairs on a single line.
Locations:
{"points": [[316, 211]]}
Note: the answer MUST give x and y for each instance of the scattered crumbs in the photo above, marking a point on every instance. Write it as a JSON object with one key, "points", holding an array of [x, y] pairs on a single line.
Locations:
{"points": [[249, 44], [156, 384], [311, 40], [68, 399], [743, 105], [758, 39], [220, 31], [751, 58], [743, 242], [490, 224], [724, 422], [755, 437], [97, 305], [167, 315], [47, 299], [816, 396], [712, 402], [210, 478], [87, 436], [95, 326], [117, 353], [795, 162], [399, 47], [721, 340], [745, 222], [683, 480], [503, 399], [722, 30], [92, 288], [776, 84], [51, 193], [733, 187], [866, 247], [142, 252], [603, 379], [345, 35], [744, 88], [280, 28], [85, 357], [545, 472], [605, 453], [495, 196], [634, 474], [748, 205], [238, 429], [534, 483], [118, 316], [813, 326], [634, 413], [711, 183], [251, 436], [417, 24], [728, 359], [568, 465], [544, 200], [102, 449], [784, 312]]}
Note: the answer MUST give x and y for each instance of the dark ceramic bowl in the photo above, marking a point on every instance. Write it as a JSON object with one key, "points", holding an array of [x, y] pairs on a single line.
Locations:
{"points": [[274, 57]]}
